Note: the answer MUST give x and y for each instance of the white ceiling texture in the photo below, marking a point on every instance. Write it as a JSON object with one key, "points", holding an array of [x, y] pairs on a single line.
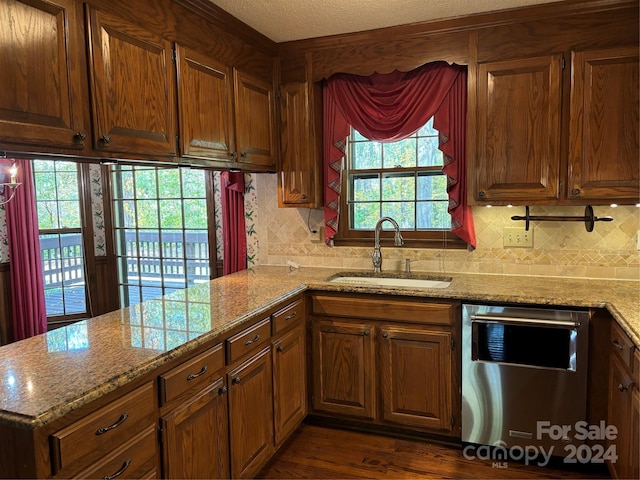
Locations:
{"points": [[287, 20]]}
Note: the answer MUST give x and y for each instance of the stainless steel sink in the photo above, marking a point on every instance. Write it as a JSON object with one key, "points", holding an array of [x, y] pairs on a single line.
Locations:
{"points": [[390, 280]]}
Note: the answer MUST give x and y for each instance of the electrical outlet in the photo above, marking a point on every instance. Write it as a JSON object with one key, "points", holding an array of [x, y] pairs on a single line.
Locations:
{"points": [[517, 237], [318, 237]]}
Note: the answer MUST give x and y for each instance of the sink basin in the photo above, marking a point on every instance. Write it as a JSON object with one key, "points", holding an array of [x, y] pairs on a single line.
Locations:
{"points": [[398, 282]]}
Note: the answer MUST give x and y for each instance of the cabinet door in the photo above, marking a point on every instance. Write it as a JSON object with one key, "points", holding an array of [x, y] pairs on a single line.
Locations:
{"points": [[634, 443], [604, 138], [255, 134], [195, 436], [519, 104], [297, 175], [344, 368], [133, 88], [205, 106], [251, 414], [41, 73], [620, 392], [423, 396], [289, 382]]}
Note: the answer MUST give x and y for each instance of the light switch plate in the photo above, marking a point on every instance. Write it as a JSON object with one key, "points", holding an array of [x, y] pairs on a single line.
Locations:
{"points": [[517, 237]]}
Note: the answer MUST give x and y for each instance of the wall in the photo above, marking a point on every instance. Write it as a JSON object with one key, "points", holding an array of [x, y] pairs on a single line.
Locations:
{"points": [[563, 249]]}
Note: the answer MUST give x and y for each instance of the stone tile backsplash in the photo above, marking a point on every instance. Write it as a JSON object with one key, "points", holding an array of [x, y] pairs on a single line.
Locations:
{"points": [[560, 249]]}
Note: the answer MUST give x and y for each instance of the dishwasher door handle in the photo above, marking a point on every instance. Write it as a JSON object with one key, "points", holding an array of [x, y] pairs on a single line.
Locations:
{"points": [[538, 322]]}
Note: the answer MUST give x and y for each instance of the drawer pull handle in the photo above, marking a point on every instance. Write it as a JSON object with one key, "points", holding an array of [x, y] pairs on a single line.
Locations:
{"points": [[255, 339], [289, 317], [617, 344], [125, 465], [280, 348], [196, 375], [624, 388], [120, 421]]}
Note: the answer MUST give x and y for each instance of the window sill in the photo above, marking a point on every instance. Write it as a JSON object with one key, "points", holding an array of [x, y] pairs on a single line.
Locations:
{"points": [[435, 243]]}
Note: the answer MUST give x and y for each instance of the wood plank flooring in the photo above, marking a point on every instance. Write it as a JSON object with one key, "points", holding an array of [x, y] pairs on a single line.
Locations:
{"points": [[318, 452]]}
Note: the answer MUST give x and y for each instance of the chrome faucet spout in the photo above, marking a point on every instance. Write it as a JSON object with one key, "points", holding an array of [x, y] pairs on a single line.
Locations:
{"points": [[376, 255]]}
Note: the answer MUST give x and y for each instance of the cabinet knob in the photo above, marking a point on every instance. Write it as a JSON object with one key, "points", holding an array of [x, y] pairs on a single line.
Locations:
{"points": [[223, 390], [366, 333], [624, 388], [617, 344], [106, 139], [385, 334], [236, 380], [280, 348], [575, 191], [80, 136], [234, 156], [243, 156], [303, 196]]}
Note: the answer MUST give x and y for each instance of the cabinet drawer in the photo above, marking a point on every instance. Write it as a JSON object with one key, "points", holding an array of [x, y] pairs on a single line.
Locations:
{"points": [[383, 309], [622, 345], [288, 315], [134, 460], [248, 339], [100, 432], [198, 371]]}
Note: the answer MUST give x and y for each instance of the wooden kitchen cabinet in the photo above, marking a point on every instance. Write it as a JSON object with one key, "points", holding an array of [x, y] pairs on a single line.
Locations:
{"points": [[254, 122], [623, 405], [194, 420], [289, 382], [604, 126], [410, 395], [519, 105], [42, 73], [251, 414], [133, 94], [387, 361], [344, 368], [299, 171], [205, 96]]}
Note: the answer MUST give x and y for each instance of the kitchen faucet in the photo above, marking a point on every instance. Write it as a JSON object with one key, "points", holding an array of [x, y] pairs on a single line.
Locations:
{"points": [[376, 255]]}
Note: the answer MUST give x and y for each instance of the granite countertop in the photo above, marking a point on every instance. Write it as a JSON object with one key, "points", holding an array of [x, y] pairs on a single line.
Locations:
{"points": [[45, 377]]}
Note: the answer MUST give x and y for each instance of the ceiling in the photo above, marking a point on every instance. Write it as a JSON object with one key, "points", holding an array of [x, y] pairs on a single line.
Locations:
{"points": [[287, 20]]}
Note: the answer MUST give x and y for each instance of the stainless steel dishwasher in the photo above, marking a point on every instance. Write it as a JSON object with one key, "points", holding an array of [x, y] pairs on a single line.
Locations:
{"points": [[524, 374]]}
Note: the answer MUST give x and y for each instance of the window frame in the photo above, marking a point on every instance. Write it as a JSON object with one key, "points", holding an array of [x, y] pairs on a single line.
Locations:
{"points": [[346, 236]]}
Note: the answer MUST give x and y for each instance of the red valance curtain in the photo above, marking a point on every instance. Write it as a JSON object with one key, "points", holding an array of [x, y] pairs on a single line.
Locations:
{"points": [[391, 107], [28, 307], [234, 237]]}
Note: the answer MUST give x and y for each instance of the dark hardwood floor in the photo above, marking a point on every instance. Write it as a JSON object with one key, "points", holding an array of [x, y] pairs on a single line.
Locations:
{"points": [[318, 452]]}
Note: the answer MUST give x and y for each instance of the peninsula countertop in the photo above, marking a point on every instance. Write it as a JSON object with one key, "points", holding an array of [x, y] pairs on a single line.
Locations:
{"points": [[44, 377]]}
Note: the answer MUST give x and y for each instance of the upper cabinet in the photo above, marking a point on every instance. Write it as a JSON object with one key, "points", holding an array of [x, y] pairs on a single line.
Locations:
{"points": [[205, 106], [556, 120], [225, 115], [255, 119], [132, 88], [604, 138], [519, 105], [300, 180], [42, 100]]}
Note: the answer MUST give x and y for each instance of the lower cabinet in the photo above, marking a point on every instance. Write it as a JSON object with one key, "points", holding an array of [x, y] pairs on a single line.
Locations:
{"points": [[289, 382], [624, 405], [195, 436], [251, 414], [389, 362], [411, 395]]}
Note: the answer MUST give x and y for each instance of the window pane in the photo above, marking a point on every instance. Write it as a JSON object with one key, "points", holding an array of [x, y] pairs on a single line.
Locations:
{"points": [[195, 213], [147, 214], [358, 136], [433, 215], [124, 185], [428, 153], [401, 212], [169, 183], [365, 215], [366, 155], [432, 187], [63, 273], [45, 184], [170, 213], [47, 215], [67, 185], [197, 244], [43, 166], [400, 154], [398, 187], [69, 214], [146, 184], [365, 188], [193, 183], [427, 129]]}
